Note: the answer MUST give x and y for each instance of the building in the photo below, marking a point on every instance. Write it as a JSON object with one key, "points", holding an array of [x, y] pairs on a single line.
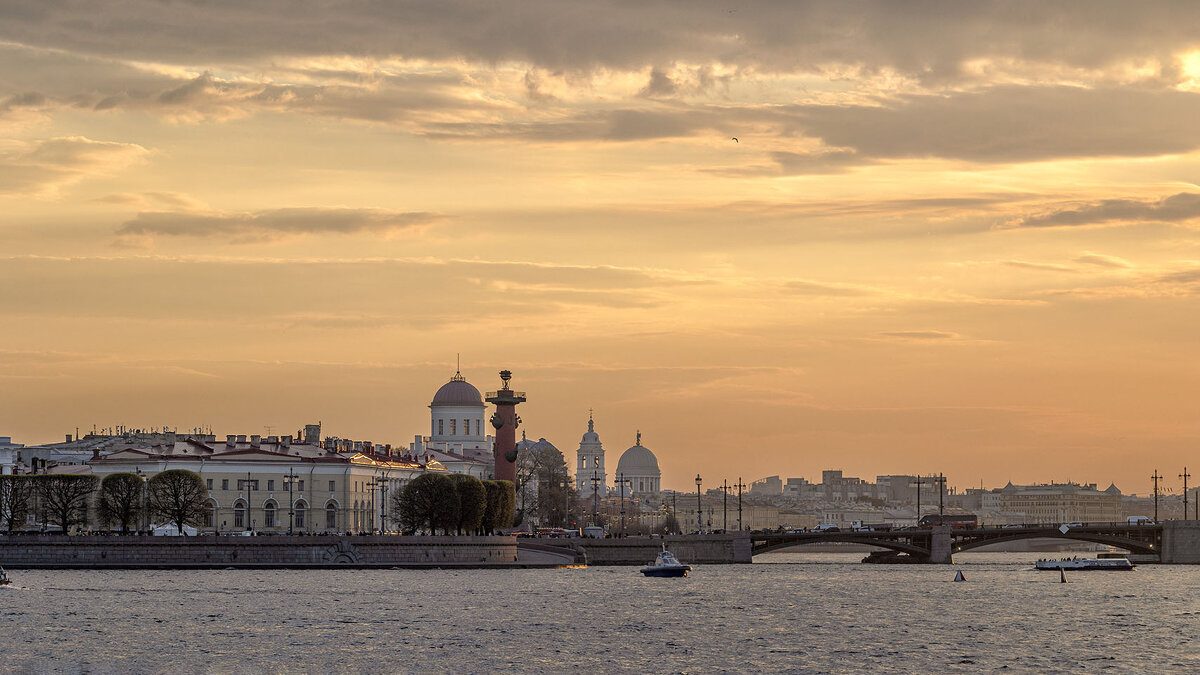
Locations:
{"points": [[458, 438], [767, 487], [1056, 503], [274, 484], [639, 466], [7, 455], [589, 464]]}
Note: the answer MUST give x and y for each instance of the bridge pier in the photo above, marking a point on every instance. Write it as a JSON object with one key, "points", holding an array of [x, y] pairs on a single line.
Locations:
{"points": [[940, 546], [1180, 542]]}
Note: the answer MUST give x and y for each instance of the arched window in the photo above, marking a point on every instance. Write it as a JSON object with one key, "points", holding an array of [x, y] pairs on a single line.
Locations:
{"points": [[269, 515], [239, 514], [301, 513], [356, 512], [331, 516], [210, 516]]}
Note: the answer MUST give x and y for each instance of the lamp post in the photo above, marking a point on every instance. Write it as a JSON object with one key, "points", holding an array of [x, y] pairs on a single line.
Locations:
{"points": [[145, 506], [289, 480], [725, 505], [1156, 478], [621, 480], [740, 485], [675, 511], [249, 504], [1185, 475], [919, 483], [699, 513], [595, 498], [384, 485], [941, 482], [371, 485]]}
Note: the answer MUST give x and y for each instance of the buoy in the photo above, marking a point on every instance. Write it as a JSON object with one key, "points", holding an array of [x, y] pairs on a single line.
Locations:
{"points": [[959, 576], [1062, 576]]}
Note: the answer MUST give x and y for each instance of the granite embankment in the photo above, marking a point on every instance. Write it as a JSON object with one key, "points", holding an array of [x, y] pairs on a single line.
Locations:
{"points": [[57, 551]]}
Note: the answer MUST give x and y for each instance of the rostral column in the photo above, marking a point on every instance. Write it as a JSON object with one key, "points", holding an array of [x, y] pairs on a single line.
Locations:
{"points": [[506, 421]]}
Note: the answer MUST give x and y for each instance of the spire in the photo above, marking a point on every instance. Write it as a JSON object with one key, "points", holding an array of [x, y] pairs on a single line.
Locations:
{"points": [[639, 437], [458, 369], [591, 424]]}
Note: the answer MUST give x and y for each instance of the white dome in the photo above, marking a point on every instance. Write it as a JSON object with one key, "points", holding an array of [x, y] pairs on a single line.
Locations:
{"points": [[638, 461]]}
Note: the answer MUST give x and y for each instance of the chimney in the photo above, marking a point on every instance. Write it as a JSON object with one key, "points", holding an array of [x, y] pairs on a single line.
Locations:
{"points": [[242, 438], [68, 438], [231, 440], [255, 440], [95, 453]]}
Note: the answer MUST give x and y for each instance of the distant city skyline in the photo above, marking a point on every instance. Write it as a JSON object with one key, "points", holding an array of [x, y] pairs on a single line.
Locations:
{"points": [[948, 237]]}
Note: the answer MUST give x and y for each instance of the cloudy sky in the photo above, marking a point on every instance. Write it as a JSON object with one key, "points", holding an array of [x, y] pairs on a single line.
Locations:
{"points": [[948, 236]]}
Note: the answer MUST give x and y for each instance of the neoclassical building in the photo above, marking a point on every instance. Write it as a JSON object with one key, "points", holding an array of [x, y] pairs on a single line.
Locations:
{"points": [[639, 466], [458, 432], [589, 464], [331, 486]]}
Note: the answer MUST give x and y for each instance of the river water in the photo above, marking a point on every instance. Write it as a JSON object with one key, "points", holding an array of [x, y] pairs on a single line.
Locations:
{"points": [[804, 613]]}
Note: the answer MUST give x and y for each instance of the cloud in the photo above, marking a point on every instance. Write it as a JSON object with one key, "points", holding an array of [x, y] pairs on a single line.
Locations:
{"points": [[1040, 267], [1177, 208], [1101, 260], [814, 288], [41, 168], [921, 335], [271, 224]]}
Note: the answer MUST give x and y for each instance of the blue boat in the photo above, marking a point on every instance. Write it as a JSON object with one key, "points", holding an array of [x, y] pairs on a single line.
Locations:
{"points": [[666, 565]]}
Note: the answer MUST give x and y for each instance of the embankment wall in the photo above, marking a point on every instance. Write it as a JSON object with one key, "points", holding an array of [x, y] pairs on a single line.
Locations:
{"points": [[706, 549], [266, 551]]}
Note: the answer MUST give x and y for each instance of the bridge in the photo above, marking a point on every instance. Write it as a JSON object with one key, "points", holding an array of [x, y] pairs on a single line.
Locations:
{"points": [[1169, 542]]}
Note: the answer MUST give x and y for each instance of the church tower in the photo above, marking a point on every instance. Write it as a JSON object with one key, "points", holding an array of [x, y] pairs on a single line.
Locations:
{"points": [[589, 464]]}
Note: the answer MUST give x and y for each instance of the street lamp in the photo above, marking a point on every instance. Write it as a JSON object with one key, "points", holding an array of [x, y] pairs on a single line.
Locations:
{"points": [[698, 511], [621, 480], [249, 504], [384, 481], [289, 480], [371, 485], [145, 506]]}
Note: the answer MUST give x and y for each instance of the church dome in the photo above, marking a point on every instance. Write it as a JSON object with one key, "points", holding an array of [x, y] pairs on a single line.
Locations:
{"points": [[590, 436], [638, 461], [457, 392]]}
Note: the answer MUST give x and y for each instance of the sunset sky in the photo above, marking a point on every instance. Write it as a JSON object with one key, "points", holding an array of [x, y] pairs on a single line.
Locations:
{"points": [[950, 236]]}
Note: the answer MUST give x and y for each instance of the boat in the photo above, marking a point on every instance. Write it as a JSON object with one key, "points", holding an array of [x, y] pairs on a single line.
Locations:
{"points": [[4, 580], [666, 565], [1109, 564]]}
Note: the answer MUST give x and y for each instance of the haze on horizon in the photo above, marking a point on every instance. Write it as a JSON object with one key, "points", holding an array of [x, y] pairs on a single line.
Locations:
{"points": [[950, 236]]}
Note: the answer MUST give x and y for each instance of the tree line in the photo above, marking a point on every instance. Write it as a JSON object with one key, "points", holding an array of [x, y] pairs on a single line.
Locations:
{"points": [[432, 502], [123, 500]]}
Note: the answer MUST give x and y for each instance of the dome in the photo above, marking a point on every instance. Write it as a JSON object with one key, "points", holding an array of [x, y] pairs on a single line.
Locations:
{"points": [[590, 436], [638, 461], [457, 392]]}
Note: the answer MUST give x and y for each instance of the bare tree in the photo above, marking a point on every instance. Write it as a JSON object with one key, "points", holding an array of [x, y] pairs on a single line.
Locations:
{"points": [[121, 499], [16, 492], [179, 496], [65, 497]]}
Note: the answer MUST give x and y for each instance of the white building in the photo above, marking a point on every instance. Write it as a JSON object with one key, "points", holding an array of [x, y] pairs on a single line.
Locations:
{"points": [[458, 437], [589, 464], [7, 460], [639, 466]]}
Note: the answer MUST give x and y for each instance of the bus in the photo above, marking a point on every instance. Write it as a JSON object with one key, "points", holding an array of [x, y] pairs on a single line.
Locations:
{"points": [[959, 522]]}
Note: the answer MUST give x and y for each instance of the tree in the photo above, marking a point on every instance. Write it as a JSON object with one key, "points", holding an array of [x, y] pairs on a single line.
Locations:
{"points": [[670, 525], [120, 500], [178, 496], [472, 502], [429, 499], [15, 495], [65, 497], [542, 465], [501, 501]]}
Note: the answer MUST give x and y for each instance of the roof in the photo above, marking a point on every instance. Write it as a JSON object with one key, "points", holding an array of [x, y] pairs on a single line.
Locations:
{"points": [[638, 461], [457, 392]]}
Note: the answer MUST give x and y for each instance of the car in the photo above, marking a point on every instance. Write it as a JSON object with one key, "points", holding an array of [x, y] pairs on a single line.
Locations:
{"points": [[1073, 524]]}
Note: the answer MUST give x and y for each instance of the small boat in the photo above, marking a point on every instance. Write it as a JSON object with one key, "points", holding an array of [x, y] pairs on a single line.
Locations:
{"points": [[1107, 564], [4, 580], [666, 565]]}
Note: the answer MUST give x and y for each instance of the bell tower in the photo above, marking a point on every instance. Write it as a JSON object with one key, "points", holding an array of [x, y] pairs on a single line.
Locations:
{"points": [[589, 463]]}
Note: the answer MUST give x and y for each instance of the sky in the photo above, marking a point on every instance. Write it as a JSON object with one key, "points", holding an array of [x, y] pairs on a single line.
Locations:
{"points": [[774, 237]]}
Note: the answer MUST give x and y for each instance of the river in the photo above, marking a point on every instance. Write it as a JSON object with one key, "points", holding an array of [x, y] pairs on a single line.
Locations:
{"points": [[803, 613]]}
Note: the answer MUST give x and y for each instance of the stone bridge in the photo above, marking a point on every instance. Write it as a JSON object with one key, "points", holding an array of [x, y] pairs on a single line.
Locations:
{"points": [[1174, 541]]}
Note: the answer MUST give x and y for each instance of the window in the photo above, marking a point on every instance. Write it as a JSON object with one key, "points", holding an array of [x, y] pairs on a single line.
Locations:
{"points": [[453, 424], [476, 427], [239, 515], [441, 431], [331, 516], [466, 427], [208, 483], [270, 486], [224, 483], [331, 487], [356, 512], [269, 515], [583, 459], [210, 515], [301, 510], [302, 486]]}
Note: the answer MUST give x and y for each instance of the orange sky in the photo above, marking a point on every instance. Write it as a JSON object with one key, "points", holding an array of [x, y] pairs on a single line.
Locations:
{"points": [[949, 237]]}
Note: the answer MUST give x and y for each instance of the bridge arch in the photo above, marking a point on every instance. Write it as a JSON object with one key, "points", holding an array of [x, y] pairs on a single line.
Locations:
{"points": [[1131, 545], [777, 542]]}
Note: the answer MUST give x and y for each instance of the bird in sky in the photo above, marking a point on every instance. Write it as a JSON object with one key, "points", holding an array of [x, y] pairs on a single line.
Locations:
{"points": [[735, 140]]}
